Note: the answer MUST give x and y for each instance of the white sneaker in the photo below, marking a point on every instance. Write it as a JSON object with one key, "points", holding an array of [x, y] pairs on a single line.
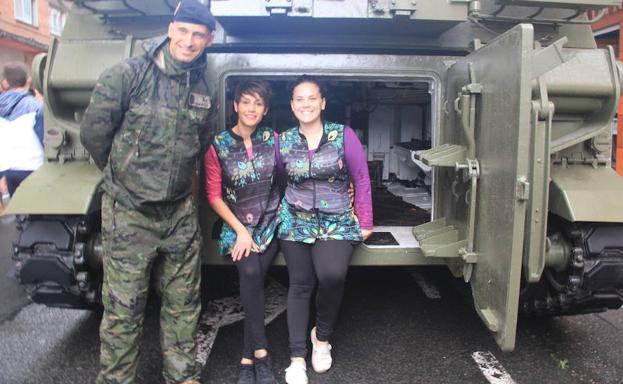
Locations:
{"points": [[321, 354], [296, 373]]}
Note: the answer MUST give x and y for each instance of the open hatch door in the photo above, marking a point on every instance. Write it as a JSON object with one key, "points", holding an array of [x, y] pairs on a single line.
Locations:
{"points": [[482, 176]]}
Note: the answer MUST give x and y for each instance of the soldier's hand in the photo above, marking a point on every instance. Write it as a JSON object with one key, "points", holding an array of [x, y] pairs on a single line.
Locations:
{"points": [[244, 246]]}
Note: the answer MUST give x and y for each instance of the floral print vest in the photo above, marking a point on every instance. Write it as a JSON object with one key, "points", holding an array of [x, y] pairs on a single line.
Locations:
{"points": [[248, 187], [322, 183], [316, 205]]}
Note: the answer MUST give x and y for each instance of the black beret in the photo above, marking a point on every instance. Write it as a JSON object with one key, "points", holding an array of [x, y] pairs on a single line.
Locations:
{"points": [[192, 11]]}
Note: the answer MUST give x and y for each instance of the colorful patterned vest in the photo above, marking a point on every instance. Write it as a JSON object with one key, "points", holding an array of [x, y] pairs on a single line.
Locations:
{"points": [[248, 187], [321, 184]]}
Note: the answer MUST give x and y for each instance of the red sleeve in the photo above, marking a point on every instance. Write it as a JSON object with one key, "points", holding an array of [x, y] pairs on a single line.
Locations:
{"points": [[213, 177]]}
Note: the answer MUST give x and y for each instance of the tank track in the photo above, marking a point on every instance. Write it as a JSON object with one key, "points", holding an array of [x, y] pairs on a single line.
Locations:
{"points": [[592, 280], [54, 261]]}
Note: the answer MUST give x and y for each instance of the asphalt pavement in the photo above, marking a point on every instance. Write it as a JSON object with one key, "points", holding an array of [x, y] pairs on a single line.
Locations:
{"points": [[13, 296], [392, 329]]}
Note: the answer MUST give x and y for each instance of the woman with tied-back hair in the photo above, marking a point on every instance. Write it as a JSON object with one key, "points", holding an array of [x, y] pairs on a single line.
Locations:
{"points": [[240, 170], [319, 226]]}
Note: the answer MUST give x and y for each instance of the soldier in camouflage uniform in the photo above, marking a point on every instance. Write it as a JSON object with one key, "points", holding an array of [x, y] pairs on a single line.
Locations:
{"points": [[145, 127]]}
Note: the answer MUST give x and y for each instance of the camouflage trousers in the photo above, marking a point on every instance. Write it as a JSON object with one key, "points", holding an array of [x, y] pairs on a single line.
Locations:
{"points": [[132, 242]]}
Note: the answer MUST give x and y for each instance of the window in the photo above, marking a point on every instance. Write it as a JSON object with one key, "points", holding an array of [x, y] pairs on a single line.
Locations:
{"points": [[57, 21], [26, 11]]}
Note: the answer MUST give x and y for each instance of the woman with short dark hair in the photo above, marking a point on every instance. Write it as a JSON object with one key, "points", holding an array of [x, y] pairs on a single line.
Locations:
{"points": [[240, 169]]}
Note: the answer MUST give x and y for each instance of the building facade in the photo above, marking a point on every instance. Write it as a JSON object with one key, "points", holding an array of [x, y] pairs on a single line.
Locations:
{"points": [[608, 30], [26, 27]]}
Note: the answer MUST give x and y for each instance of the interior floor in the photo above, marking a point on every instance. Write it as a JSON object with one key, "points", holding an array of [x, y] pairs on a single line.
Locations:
{"points": [[391, 209]]}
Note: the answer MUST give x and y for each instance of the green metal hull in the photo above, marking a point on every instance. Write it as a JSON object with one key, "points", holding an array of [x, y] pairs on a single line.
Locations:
{"points": [[511, 100]]}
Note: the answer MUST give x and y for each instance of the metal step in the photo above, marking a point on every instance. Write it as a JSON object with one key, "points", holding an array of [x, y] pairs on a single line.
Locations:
{"points": [[440, 239], [445, 155]]}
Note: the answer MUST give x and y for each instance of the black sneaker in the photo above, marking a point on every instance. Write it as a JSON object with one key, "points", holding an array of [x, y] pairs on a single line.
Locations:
{"points": [[264, 371], [247, 374]]}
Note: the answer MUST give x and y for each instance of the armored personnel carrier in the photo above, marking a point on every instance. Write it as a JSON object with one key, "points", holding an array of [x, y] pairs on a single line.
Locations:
{"points": [[487, 126]]}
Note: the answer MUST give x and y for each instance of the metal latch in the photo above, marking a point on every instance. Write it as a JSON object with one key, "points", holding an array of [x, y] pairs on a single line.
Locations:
{"points": [[465, 107], [402, 7], [469, 254], [523, 189], [278, 7]]}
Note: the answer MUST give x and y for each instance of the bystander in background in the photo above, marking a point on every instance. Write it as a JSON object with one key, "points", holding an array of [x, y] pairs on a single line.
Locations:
{"points": [[21, 129]]}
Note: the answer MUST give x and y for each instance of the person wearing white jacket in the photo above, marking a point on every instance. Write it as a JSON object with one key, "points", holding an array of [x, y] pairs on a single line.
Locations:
{"points": [[21, 127]]}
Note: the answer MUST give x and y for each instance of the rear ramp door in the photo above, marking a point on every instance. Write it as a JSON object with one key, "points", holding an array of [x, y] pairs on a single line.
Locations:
{"points": [[483, 166]]}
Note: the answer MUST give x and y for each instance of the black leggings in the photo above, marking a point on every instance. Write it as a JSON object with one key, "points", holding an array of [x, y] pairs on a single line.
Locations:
{"points": [[251, 272], [326, 262]]}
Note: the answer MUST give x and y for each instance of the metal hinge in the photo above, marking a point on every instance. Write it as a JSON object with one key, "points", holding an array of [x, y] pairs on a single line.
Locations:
{"points": [[402, 7], [278, 7]]}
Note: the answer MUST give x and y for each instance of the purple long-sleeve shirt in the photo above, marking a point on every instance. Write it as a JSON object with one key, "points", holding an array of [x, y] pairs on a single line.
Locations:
{"points": [[357, 164]]}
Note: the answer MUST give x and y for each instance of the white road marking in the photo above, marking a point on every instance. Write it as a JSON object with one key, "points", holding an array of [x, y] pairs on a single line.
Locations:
{"points": [[228, 310], [427, 286], [491, 368]]}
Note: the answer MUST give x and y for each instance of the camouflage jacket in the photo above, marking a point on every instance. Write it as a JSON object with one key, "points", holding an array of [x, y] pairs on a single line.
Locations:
{"points": [[146, 125]]}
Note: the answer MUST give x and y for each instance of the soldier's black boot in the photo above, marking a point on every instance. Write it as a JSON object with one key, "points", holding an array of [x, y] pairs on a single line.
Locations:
{"points": [[264, 371], [247, 374]]}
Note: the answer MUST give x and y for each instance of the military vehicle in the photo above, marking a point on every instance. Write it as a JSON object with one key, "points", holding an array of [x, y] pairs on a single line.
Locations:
{"points": [[486, 125]]}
